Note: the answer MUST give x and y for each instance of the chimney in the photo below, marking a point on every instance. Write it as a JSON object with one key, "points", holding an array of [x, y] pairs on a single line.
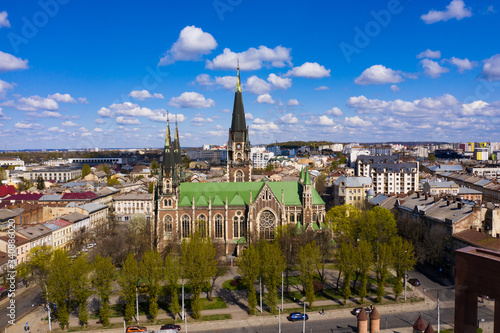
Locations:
{"points": [[362, 321], [426, 196], [374, 321]]}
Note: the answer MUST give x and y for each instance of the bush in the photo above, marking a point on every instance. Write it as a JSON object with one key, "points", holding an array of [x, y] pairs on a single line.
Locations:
{"points": [[318, 286]]}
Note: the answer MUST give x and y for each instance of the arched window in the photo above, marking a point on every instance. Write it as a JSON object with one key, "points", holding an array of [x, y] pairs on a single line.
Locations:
{"points": [[292, 217], [299, 217], [168, 226], [315, 217], [266, 225], [239, 225], [235, 227], [169, 202], [218, 226], [239, 176], [202, 225], [186, 226]]}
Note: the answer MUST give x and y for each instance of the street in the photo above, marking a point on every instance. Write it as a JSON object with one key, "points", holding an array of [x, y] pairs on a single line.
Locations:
{"points": [[24, 302]]}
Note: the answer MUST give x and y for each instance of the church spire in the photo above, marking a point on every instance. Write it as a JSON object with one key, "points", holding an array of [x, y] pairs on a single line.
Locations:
{"points": [[238, 82], [168, 158], [177, 145], [238, 122]]}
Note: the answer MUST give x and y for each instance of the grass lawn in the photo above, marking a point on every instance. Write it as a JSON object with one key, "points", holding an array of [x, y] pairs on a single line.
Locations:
{"points": [[227, 285], [216, 303], [216, 317]]}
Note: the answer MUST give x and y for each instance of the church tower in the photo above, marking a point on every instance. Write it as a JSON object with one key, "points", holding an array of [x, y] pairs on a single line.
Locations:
{"points": [[306, 195], [239, 167]]}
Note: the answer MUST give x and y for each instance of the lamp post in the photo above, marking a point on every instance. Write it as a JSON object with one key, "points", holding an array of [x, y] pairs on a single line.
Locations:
{"points": [[281, 291], [137, 303], [260, 293], [183, 314], [48, 309], [279, 320], [304, 319]]}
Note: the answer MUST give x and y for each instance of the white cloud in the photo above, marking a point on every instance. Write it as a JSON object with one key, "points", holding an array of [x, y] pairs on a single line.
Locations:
{"points": [[217, 133], [462, 64], [289, 119], [395, 88], [99, 121], [53, 129], [356, 122], [481, 108], [204, 80], [105, 112], [264, 126], [191, 45], [256, 85], [161, 115], [378, 74], [4, 22], [69, 124], [62, 98], [251, 59], [456, 9], [191, 100], [265, 99], [144, 94], [8, 62], [130, 109], [45, 114], [310, 70], [335, 111], [292, 102], [4, 86], [226, 82], [248, 116], [321, 88], [279, 82], [35, 103], [127, 120], [99, 130], [3, 116], [429, 54], [325, 121], [225, 111], [491, 68], [83, 100], [199, 120], [432, 68], [27, 125]]}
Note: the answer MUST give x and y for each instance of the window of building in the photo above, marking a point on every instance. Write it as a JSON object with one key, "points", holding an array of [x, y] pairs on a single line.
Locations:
{"points": [[292, 217], [218, 226], [266, 225], [239, 176], [202, 225], [168, 227], [186, 226]]}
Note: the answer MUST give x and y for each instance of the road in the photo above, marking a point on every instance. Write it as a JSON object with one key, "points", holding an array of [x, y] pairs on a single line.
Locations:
{"points": [[24, 302]]}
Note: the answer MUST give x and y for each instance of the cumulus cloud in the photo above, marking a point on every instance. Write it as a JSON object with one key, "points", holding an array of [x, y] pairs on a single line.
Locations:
{"points": [[321, 88], [144, 94], [8, 62], [256, 85], [204, 80], [191, 45], [83, 100], [378, 74], [491, 68], [429, 54], [455, 10], [130, 109], [279, 82], [199, 120], [432, 68], [69, 124], [4, 22], [45, 114], [161, 115], [335, 111], [62, 98], [264, 126], [289, 119], [292, 102], [99, 121], [4, 86], [127, 120], [191, 100], [310, 70], [226, 82], [251, 59], [356, 121], [35, 103], [265, 99], [248, 116], [98, 130], [27, 125], [395, 88], [462, 64], [105, 112], [481, 108]]}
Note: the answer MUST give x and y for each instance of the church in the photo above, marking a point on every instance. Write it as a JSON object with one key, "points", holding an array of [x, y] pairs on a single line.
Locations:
{"points": [[234, 212]]}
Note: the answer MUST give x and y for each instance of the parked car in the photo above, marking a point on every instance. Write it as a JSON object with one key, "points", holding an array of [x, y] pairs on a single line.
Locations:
{"points": [[414, 282], [356, 311], [136, 329], [170, 327], [295, 316]]}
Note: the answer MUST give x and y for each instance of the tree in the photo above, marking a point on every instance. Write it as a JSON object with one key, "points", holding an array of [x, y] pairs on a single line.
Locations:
{"points": [[326, 246], [383, 261], [309, 262], [431, 157], [171, 276], [377, 226], [269, 167], [249, 267], [138, 239], [403, 260], [3, 174], [38, 265], [151, 187], [341, 219], [273, 264], [435, 241], [320, 183], [104, 168], [186, 160], [85, 170], [40, 183], [363, 262], [128, 280], [113, 182], [102, 279], [346, 266], [59, 285], [151, 273], [154, 167], [80, 284], [198, 265], [222, 268]]}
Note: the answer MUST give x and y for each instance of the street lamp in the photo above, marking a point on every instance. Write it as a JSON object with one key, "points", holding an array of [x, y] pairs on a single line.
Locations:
{"points": [[304, 319], [183, 315]]}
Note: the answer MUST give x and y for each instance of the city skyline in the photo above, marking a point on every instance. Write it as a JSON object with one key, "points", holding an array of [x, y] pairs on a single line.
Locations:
{"points": [[75, 75]]}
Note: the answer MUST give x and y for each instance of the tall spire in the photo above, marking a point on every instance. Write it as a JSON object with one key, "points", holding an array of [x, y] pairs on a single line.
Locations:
{"points": [[177, 145], [168, 157], [238, 82], [238, 122]]}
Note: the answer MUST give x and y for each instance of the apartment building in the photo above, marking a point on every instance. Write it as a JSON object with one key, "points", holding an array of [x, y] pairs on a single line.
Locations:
{"points": [[441, 188], [58, 174], [131, 204], [8, 161], [351, 190]]}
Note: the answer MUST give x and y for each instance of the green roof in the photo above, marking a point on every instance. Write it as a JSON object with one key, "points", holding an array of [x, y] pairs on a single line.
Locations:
{"points": [[241, 240], [307, 178], [201, 201], [218, 191], [315, 226]]}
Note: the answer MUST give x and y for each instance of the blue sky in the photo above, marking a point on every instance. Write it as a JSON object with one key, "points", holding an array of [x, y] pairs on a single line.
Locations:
{"points": [[85, 74]]}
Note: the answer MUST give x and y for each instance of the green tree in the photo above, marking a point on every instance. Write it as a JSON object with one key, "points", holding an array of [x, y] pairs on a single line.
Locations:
{"points": [[320, 183], [80, 284], [346, 266], [377, 226], [154, 167], [273, 264], [309, 262], [85, 170], [113, 182], [151, 187], [138, 241], [431, 157], [151, 273], [186, 160], [198, 265], [342, 221], [363, 261], [128, 280], [102, 279], [172, 276], [326, 246], [403, 260], [383, 261], [269, 167], [249, 267], [104, 168], [38, 265], [59, 285], [40, 183], [3, 174]]}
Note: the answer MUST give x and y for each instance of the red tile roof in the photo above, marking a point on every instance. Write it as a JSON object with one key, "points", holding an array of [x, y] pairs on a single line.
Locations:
{"points": [[60, 223], [420, 324], [25, 197], [7, 190], [19, 240], [89, 195]]}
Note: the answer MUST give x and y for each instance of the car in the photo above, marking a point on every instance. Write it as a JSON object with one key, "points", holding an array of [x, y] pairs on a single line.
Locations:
{"points": [[356, 311], [90, 246], [295, 316], [414, 282], [170, 327], [85, 249], [137, 329]]}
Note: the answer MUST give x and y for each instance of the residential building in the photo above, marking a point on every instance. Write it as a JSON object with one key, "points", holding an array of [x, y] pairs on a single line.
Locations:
{"points": [[485, 171], [132, 204], [22, 247], [80, 223], [38, 235], [351, 190], [441, 188], [8, 161], [58, 174], [62, 233], [96, 160], [98, 214], [260, 157], [470, 194], [481, 153], [276, 150]]}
